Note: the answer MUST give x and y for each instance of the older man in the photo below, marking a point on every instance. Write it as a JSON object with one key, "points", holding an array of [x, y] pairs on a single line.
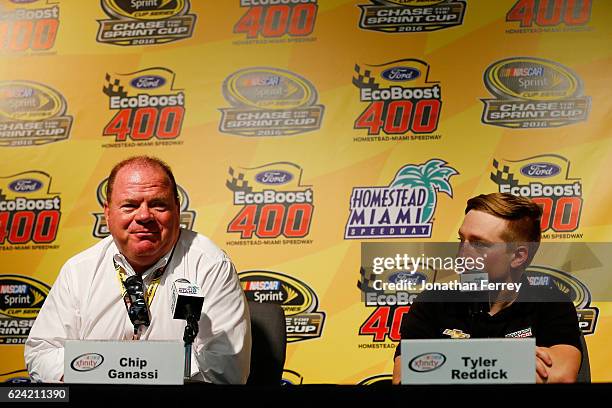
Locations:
{"points": [[504, 230], [88, 302]]}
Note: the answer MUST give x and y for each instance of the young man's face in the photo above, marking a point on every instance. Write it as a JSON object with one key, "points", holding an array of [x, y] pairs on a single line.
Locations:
{"points": [[482, 235], [142, 214]]}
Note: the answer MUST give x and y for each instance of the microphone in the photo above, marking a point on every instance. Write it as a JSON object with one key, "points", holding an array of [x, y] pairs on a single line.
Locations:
{"points": [[187, 300], [478, 299]]}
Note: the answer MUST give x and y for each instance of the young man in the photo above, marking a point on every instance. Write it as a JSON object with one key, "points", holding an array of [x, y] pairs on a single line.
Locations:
{"points": [[87, 301], [504, 230]]}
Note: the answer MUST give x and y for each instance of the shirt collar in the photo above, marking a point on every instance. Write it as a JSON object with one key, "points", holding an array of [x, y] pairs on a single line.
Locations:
{"points": [[123, 262]]}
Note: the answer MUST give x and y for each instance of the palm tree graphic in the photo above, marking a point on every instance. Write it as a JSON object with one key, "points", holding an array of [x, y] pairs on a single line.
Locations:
{"points": [[433, 176]]}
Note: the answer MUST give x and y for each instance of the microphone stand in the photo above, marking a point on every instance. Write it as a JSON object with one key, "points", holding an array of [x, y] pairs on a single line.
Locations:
{"points": [[191, 331]]}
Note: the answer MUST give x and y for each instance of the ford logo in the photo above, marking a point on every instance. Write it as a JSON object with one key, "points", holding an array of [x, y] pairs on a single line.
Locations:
{"points": [[398, 74], [274, 177], [540, 170], [427, 362], [25, 185], [415, 278], [87, 362], [148, 82]]}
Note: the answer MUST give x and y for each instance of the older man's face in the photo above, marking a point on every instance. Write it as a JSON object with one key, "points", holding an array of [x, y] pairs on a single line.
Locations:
{"points": [[142, 215]]}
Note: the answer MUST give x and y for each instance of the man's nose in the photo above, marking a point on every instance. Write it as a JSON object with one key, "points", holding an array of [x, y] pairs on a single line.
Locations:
{"points": [[144, 213]]}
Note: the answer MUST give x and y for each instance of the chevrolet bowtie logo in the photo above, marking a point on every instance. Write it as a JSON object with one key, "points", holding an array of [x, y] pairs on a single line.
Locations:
{"points": [[456, 334]]}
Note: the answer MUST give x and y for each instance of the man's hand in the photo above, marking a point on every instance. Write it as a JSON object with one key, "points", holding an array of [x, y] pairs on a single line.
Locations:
{"points": [[557, 364]]}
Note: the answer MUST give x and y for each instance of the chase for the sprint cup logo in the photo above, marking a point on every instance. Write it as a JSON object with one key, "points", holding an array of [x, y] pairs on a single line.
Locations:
{"points": [[269, 101], [402, 103], [299, 302], [145, 22], [404, 16], [28, 27], [533, 93], [21, 298], [546, 180], [32, 113], [29, 212], [274, 206], [187, 216], [403, 209], [148, 110], [276, 21]]}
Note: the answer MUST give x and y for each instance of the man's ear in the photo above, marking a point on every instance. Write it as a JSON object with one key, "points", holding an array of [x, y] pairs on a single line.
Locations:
{"points": [[106, 211], [520, 256]]}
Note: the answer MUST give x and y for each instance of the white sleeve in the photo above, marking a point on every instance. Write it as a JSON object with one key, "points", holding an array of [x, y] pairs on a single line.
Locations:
{"points": [[57, 321], [223, 346]]}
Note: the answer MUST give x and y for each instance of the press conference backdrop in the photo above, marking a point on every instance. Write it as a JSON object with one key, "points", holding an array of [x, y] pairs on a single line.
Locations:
{"points": [[288, 123]]}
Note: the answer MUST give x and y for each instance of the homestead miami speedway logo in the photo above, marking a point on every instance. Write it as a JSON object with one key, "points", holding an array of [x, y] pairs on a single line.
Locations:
{"points": [[275, 208], [145, 22], [533, 93], [400, 99], [28, 26], [537, 16], [32, 113], [269, 102], [21, 298], [404, 16], [299, 302], [187, 216], [277, 21], [29, 212], [146, 106], [545, 179], [403, 209]]}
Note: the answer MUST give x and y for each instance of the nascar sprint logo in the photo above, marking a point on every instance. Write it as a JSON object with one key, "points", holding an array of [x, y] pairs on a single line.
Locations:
{"points": [[273, 203], [573, 288], [405, 208], [26, 27], [533, 93], [298, 300], [400, 99], [545, 179], [21, 298], [187, 216], [144, 22], [269, 102], [147, 106], [32, 114], [277, 18], [29, 212], [535, 16], [396, 16]]}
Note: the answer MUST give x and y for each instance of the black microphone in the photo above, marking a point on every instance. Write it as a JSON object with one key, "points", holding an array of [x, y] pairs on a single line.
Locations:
{"points": [[478, 299], [138, 310], [187, 300]]}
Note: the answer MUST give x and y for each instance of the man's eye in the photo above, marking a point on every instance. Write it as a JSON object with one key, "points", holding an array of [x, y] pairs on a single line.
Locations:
{"points": [[480, 244]]}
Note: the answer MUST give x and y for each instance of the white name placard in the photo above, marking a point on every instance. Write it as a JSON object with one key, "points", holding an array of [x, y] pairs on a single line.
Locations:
{"points": [[124, 362], [468, 361]]}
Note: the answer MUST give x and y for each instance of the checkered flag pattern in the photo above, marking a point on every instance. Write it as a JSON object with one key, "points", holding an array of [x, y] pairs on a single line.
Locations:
{"points": [[503, 175], [113, 87], [237, 182], [364, 79], [365, 284]]}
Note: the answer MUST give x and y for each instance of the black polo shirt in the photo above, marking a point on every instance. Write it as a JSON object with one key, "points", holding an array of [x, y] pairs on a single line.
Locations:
{"points": [[542, 312]]}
